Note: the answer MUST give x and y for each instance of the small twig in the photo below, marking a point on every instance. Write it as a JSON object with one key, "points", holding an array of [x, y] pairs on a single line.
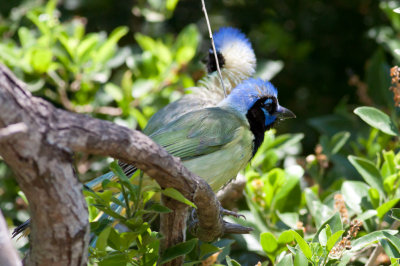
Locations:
{"points": [[213, 46], [65, 101], [12, 131]]}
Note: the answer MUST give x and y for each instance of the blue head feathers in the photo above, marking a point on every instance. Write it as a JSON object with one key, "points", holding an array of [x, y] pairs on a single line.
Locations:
{"points": [[256, 96], [247, 93], [228, 35], [256, 99]]}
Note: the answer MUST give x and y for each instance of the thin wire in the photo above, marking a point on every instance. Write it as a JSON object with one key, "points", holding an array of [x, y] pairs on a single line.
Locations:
{"points": [[213, 46]]}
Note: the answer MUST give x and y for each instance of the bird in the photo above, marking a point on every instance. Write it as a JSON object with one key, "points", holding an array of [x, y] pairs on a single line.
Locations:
{"points": [[215, 143], [237, 62]]}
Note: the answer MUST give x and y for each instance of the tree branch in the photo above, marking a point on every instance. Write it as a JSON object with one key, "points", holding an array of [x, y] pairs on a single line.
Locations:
{"points": [[42, 163], [8, 254]]}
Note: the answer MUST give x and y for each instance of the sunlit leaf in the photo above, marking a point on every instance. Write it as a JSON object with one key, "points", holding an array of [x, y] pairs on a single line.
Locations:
{"points": [[268, 242], [385, 207], [370, 239], [368, 171], [176, 195], [377, 119], [333, 239], [303, 245], [287, 260]]}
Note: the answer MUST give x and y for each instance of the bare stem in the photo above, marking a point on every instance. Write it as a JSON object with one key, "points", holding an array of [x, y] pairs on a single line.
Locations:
{"points": [[213, 46]]}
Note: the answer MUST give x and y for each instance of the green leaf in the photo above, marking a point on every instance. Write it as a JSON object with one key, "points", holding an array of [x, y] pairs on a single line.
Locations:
{"points": [[287, 260], [26, 37], [207, 249], [285, 237], [109, 212], [186, 44], [368, 171], [106, 51], [114, 259], [41, 59], [389, 248], [319, 211], [377, 119], [281, 198], [385, 207], [328, 230], [114, 91], [373, 194], [156, 207], [300, 259], [305, 248], [391, 183], [101, 242], [117, 170], [333, 239], [268, 242], [289, 218], [395, 241], [176, 195], [334, 222], [231, 262], [395, 214], [338, 141], [370, 239], [105, 195], [170, 4], [389, 157], [367, 215], [178, 250]]}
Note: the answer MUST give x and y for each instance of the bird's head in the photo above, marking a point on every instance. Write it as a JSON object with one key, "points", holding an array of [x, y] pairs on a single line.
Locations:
{"points": [[257, 99], [234, 52]]}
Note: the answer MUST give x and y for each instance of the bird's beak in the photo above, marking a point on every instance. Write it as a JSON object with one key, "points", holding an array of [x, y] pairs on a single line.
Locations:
{"points": [[284, 113]]}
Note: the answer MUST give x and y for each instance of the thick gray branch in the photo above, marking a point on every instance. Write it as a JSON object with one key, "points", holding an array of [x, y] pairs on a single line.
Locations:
{"points": [[42, 163], [8, 254], [45, 174]]}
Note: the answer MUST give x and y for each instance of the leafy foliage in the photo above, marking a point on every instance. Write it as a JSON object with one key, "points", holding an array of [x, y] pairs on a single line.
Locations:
{"points": [[321, 207]]}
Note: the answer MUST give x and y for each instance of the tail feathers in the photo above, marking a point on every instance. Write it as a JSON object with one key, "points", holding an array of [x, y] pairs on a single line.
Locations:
{"points": [[127, 168], [22, 229], [95, 184]]}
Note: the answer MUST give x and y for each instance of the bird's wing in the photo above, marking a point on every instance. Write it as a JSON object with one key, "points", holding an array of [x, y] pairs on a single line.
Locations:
{"points": [[199, 132]]}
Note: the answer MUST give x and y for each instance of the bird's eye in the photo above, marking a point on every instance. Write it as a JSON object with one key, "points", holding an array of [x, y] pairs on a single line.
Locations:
{"points": [[269, 106]]}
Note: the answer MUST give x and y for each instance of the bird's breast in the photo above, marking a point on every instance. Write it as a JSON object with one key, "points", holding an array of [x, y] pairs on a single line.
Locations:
{"points": [[219, 167]]}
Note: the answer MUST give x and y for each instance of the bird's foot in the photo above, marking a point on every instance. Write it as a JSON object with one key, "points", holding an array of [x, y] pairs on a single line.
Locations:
{"points": [[231, 213]]}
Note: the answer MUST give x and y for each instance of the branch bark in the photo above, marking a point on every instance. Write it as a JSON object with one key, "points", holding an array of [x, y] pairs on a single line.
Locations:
{"points": [[8, 254], [41, 161]]}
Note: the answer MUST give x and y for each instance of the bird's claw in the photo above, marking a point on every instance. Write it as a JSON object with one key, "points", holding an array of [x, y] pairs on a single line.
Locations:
{"points": [[231, 213]]}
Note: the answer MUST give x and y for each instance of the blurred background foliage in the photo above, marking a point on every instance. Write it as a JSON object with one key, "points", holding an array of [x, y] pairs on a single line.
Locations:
{"points": [[124, 60]]}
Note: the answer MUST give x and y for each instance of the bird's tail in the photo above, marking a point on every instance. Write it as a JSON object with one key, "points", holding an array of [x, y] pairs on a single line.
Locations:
{"points": [[94, 185], [23, 229]]}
